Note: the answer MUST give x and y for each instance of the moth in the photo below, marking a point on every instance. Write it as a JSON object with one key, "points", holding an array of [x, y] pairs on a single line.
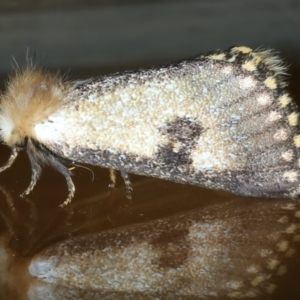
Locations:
{"points": [[222, 120]]}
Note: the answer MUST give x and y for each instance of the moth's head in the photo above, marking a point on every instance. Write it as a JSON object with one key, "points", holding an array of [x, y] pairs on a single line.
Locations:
{"points": [[31, 96]]}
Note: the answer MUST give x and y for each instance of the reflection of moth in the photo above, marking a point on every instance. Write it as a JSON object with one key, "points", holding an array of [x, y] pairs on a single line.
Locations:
{"points": [[222, 120], [237, 250]]}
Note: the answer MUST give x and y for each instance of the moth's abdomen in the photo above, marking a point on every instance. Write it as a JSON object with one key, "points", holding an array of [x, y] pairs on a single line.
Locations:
{"points": [[222, 121]]}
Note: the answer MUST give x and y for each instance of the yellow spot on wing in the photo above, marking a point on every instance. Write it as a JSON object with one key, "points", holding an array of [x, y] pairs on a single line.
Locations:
{"points": [[297, 140], [220, 56], [293, 119], [249, 66], [232, 59], [284, 100], [242, 49], [270, 82]]}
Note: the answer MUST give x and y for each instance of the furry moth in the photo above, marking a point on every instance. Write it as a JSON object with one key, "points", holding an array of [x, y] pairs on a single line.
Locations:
{"points": [[222, 120]]}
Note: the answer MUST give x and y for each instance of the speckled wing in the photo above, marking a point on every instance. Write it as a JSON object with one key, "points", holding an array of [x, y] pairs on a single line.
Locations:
{"points": [[222, 120]]}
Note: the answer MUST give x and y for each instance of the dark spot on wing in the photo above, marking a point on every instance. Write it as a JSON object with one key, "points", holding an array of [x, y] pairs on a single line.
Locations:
{"points": [[184, 130], [182, 134]]}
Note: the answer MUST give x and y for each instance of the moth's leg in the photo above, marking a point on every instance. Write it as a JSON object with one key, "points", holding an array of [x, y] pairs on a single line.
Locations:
{"points": [[71, 190], [56, 164], [37, 154], [127, 182], [12, 158], [113, 178], [36, 173]]}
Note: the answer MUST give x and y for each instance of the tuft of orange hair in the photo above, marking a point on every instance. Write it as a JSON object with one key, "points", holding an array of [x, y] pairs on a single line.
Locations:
{"points": [[32, 95]]}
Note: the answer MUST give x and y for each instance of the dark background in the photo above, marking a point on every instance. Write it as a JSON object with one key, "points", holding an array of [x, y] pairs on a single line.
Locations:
{"points": [[103, 36]]}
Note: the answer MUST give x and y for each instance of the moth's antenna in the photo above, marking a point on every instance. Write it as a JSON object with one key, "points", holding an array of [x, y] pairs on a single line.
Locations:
{"points": [[79, 166]]}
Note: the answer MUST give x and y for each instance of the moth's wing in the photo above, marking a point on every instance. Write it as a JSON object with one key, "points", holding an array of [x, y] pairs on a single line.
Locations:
{"points": [[223, 120], [255, 145]]}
